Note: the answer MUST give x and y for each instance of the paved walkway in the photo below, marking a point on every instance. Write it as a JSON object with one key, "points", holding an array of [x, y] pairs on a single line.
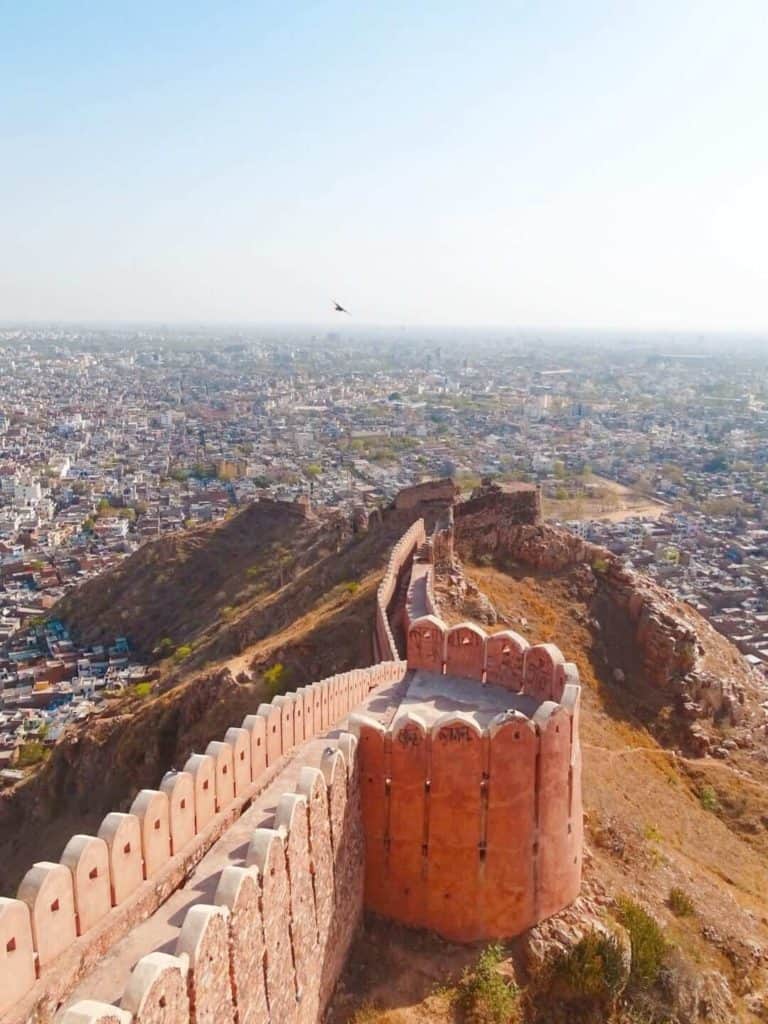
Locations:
{"points": [[430, 695]]}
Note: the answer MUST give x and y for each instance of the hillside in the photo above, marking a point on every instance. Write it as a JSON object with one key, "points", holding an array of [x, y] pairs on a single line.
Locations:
{"points": [[657, 820], [272, 587], [267, 587]]}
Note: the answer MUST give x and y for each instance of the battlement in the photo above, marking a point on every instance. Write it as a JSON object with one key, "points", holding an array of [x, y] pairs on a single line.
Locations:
{"points": [[67, 915], [471, 797]]}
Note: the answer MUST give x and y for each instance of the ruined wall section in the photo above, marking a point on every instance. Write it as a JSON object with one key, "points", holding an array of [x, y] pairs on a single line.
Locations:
{"points": [[512, 504], [67, 915], [270, 947]]}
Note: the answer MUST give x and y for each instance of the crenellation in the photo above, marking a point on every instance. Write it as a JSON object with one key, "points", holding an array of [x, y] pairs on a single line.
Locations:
{"points": [[273, 728], [239, 891], [48, 892], [239, 740], [157, 991], [17, 954], [223, 772], [179, 787], [256, 727], [204, 943], [202, 769], [267, 854], [151, 808], [87, 857], [89, 1011], [122, 834]]}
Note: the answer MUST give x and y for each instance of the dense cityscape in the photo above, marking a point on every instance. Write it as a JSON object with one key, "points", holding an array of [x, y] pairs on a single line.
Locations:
{"points": [[112, 437]]}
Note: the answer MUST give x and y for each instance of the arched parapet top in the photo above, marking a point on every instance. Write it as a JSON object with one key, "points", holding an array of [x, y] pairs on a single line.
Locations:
{"points": [[239, 740], [359, 721], [152, 809], [122, 834], [198, 919], [311, 782], [347, 745], [224, 771], [552, 650], [465, 651], [456, 726], [508, 637], [17, 957], [289, 806], [551, 715], [87, 857], [511, 720], [179, 787], [48, 891], [426, 643], [157, 988], [571, 698], [429, 621], [463, 631], [571, 673], [202, 768], [269, 711], [266, 846], [91, 1011], [332, 762], [236, 884], [408, 722], [544, 671]]}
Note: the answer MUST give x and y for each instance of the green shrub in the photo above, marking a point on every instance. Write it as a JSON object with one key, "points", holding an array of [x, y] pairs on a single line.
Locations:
{"points": [[483, 994], [164, 647], [593, 969], [708, 799], [274, 678], [182, 652], [31, 753], [680, 902], [600, 565], [649, 947], [352, 587], [142, 689]]}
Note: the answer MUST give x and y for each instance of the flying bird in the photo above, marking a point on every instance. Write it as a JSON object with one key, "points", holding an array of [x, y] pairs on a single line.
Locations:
{"points": [[340, 309]]}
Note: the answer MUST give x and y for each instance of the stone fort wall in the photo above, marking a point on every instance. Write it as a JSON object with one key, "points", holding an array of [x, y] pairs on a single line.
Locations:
{"points": [[398, 567], [67, 915]]}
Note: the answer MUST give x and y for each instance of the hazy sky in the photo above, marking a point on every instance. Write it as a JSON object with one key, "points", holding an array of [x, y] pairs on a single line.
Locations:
{"points": [[580, 162]]}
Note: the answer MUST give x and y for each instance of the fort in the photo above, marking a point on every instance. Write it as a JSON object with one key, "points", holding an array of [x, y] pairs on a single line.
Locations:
{"points": [[440, 787]]}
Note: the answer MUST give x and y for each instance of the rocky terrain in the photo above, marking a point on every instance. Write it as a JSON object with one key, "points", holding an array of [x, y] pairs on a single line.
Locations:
{"points": [[673, 737], [676, 801]]}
